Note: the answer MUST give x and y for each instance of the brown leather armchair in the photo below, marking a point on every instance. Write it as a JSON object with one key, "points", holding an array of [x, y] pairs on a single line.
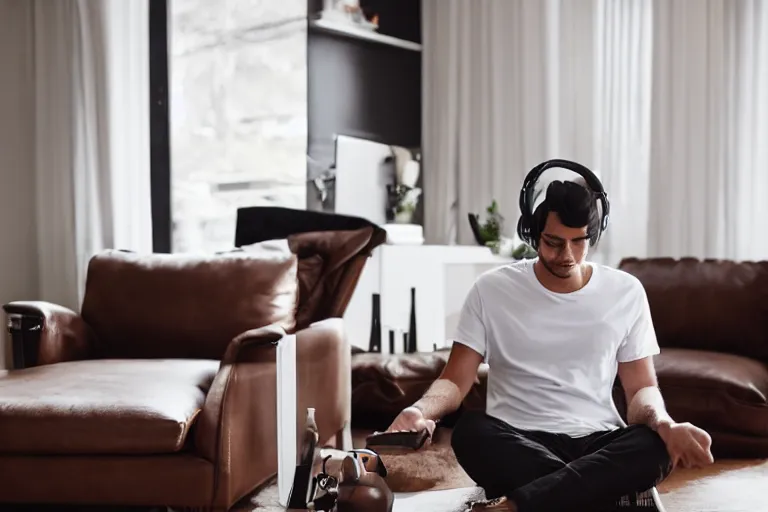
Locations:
{"points": [[162, 391]]}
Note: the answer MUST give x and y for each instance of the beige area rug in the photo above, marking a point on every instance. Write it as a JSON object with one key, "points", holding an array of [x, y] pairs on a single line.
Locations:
{"points": [[421, 482], [428, 480]]}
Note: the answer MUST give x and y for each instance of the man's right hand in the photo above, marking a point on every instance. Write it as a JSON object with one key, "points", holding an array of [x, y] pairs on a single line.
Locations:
{"points": [[444, 395], [412, 419]]}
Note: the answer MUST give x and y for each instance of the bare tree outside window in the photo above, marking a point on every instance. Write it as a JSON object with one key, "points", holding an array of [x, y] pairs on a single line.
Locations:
{"points": [[238, 113]]}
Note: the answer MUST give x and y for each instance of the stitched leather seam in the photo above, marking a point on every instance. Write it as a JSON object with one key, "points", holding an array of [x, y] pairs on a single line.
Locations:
{"points": [[219, 425]]}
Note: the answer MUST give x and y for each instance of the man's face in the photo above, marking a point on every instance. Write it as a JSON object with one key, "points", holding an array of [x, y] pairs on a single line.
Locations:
{"points": [[562, 249]]}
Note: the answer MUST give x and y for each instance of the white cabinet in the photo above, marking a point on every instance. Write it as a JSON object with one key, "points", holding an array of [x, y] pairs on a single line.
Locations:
{"points": [[441, 275]]}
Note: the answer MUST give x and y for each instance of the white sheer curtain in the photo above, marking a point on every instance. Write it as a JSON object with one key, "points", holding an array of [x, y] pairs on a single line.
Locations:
{"points": [[92, 137], [709, 162], [477, 143], [507, 85], [621, 123], [665, 100]]}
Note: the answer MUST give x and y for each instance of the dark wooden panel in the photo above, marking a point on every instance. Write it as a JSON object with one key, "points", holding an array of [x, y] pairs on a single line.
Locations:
{"points": [[361, 88], [159, 128]]}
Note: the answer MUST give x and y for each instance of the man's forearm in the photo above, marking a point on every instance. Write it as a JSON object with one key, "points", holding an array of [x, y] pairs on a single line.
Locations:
{"points": [[647, 408], [443, 397]]}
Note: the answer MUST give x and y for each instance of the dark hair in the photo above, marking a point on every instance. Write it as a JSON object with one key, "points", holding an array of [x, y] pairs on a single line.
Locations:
{"points": [[574, 204]]}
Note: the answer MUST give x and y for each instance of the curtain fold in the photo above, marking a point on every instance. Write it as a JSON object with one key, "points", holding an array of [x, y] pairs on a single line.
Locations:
{"points": [[91, 138], [709, 168], [687, 114], [506, 85], [666, 100], [621, 122]]}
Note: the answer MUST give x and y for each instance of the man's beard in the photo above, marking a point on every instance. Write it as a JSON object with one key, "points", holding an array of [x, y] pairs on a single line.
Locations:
{"points": [[555, 270]]}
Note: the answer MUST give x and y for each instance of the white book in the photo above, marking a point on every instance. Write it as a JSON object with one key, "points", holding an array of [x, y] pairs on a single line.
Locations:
{"points": [[286, 416]]}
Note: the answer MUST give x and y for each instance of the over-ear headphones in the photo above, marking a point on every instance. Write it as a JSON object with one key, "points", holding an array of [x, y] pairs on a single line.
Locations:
{"points": [[525, 226]]}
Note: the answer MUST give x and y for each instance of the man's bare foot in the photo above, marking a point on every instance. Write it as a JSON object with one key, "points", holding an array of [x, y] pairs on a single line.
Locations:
{"points": [[495, 505]]}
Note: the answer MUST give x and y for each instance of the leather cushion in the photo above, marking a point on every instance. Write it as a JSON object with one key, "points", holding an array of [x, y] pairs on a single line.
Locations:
{"points": [[707, 304], [328, 269], [310, 274], [184, 305], [325, 258], [102, 406], [383, 385], [714, 390]]}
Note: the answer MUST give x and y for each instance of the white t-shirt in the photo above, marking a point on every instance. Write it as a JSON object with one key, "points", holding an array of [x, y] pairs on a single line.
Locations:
{"points": [[553, 357]]}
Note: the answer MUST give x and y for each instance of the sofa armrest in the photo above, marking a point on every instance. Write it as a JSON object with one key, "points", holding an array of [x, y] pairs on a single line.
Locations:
{"points": [[250, 346], [46, 333], [237, 428]]}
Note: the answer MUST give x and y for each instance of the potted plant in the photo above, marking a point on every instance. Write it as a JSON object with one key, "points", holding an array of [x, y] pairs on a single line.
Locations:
{"points": [[404, 194], [489, 232]]}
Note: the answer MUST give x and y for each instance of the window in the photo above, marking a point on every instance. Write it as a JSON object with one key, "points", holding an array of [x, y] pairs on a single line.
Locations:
{"points": [[233, 130]]}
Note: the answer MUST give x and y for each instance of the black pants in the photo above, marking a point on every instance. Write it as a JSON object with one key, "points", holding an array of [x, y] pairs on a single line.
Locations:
{"points": [[542, 471]]}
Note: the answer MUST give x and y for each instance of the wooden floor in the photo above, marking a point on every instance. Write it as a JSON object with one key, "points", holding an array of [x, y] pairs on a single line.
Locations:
{"points": [[726, 486]]}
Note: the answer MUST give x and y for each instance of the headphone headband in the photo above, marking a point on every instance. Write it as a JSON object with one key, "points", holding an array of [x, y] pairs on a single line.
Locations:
{"points": [[525, 224]]}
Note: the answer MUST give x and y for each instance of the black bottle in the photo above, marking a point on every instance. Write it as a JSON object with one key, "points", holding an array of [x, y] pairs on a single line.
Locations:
{"points": [[374, 344], [412, 325]]}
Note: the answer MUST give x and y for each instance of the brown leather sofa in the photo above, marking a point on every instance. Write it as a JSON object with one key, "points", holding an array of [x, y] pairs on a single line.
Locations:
{"points": [[162, 391], [711, 319]]}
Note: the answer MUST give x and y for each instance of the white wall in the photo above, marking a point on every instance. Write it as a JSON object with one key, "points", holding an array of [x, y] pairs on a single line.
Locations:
{"points": [[18, 248]]}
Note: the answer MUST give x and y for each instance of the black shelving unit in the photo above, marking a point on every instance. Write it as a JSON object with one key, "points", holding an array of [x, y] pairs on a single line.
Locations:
{"points": [[362, 83]]}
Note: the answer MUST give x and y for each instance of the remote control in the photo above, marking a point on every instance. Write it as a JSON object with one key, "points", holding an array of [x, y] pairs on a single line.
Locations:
{"points": [[407, 439]]}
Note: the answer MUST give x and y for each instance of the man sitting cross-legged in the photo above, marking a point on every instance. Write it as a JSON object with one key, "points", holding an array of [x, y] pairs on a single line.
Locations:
{"points": [[555, 332]]}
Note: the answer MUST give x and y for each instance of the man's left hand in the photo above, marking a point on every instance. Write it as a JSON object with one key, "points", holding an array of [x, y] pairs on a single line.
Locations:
{"points": [[688, 445]]}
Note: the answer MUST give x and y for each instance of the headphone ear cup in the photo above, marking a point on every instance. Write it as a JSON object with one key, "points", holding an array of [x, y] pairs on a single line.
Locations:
{"points": [[533, 234], [605, 206], [521, 229]]}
